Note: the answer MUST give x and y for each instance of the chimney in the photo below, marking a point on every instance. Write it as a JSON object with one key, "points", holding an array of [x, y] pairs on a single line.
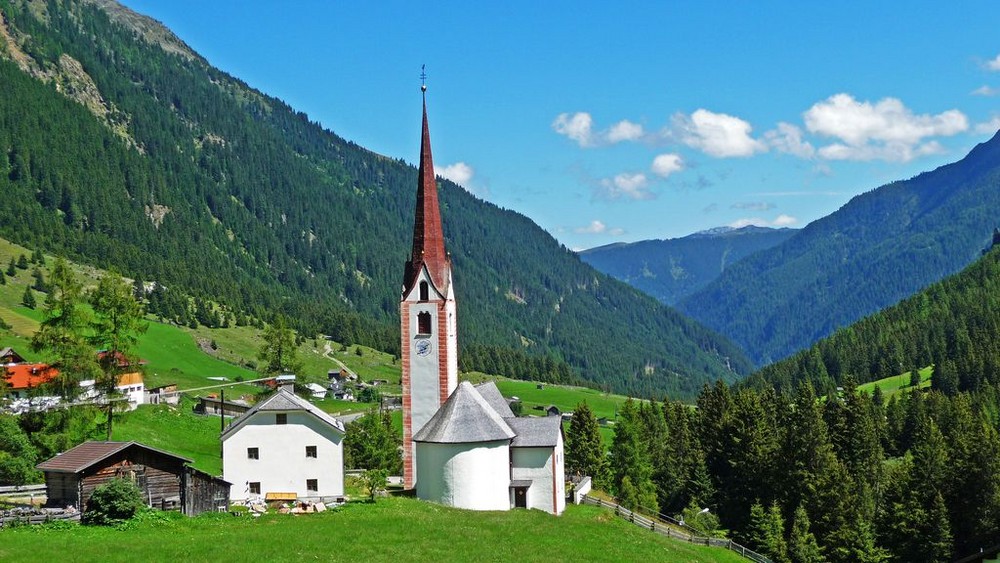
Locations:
{"points": [[286, 383]]}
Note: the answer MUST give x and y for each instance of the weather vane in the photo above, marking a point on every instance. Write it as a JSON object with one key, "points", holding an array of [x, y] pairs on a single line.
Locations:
{"points": [[423, 78]]}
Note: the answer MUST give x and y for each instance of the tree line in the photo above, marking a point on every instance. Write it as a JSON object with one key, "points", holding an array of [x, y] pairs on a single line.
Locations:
{"points": [[845, 478]]}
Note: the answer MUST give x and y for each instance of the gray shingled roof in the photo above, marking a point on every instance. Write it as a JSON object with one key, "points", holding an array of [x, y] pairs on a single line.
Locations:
{"points": [[535, 432], [464, 418], [79, 458], [495, 399], [282, 401]]}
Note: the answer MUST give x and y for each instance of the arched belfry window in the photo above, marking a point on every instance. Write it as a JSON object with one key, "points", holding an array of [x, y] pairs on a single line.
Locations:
{"points": [[424, 291], [424, 323]]}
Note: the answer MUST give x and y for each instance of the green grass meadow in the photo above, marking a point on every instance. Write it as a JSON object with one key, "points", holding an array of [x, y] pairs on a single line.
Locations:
{"points": [[393, 529], [898, 383]]}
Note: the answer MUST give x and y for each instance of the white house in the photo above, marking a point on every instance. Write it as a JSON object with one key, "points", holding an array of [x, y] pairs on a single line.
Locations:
{"points": [[284, 444]]}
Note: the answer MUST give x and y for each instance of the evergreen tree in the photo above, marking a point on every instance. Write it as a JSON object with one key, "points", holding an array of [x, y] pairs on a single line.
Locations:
{"points": [[3, 278], [62, 330], [766, 532], [28, 298], [22, 262], [585, 452], [118, 323], [630, 461], [11, 270], [802, 546], [278, 349]]}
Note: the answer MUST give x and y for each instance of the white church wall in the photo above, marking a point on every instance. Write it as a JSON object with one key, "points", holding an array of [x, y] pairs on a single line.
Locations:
{"points": [[473, 476]]}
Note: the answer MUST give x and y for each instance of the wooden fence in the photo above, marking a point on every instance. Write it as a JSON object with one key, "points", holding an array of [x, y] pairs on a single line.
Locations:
{"points": [[666, 526]]}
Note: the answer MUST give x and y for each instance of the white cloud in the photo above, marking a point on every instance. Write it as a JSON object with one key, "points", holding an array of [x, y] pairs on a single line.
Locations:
{"points": [[666, 164], [784, 220], [625, 185], [993, 64], [989, 127], [787, 138], [579, 127], [717, 134], [753, 205], [460, 173], [985, 91], [886, 130], [624, 130], [597, 227], [779, 221], [576, 126]]}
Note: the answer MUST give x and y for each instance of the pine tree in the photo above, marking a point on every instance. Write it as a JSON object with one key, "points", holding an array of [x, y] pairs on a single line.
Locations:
{"points": [[11, 270], [278, 349], [630, 460], [585, 453], [28, 298], [766, 532], [802, 546]]}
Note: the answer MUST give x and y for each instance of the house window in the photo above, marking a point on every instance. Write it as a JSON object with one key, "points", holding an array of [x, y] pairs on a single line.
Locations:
{"points": [[424, 292], [311, 451], [312, 485], [424, 323], [255, 488], [253, 453], [281, 418]]}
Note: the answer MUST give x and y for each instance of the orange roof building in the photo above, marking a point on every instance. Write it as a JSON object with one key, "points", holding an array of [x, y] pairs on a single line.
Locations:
{"points": [[22, 377]]}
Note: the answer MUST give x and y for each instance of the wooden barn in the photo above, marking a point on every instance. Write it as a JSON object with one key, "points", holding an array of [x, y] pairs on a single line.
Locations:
{"points": [[167, 481]]}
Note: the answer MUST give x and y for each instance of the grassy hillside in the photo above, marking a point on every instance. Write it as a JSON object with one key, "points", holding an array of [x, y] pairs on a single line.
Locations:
{"points": [[394, 529]]}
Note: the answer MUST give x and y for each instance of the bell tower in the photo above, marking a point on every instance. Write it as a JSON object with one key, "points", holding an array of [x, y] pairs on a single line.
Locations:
{"points": [[427, 313]]}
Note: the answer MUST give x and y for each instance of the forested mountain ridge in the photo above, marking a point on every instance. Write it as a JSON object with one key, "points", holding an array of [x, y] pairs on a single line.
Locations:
{"points": [[880, 247], [125, 149], [672, 269], [953, 324]]}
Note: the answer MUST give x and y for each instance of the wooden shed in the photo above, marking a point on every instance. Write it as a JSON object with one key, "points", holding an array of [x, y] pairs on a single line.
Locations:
{"points": [[167, 481]]}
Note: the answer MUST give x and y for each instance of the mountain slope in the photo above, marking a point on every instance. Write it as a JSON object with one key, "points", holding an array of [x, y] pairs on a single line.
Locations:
{"points": [[953, 324], [877, 249], [125, 149], [672, 269]]}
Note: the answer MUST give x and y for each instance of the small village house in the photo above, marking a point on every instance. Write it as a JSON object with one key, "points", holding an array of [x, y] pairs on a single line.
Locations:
{"points": [[284, 444], [23, 378], [167, 481]]}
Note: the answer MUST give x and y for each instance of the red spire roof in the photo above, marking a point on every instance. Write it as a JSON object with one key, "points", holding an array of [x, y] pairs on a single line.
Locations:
{"points": [[428, 236]]}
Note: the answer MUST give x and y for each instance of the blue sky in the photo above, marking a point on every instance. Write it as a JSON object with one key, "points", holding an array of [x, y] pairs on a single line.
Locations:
{"points": [[624, 121]]}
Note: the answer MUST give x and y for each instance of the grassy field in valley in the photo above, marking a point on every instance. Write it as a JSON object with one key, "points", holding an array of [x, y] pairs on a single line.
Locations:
{"points": [[898, 383], [394, 529]]}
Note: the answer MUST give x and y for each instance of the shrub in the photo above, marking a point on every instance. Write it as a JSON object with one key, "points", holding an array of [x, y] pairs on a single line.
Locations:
{"points": [[113, 503]]}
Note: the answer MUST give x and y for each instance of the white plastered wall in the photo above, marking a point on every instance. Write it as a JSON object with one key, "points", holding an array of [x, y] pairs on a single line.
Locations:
{"points": [[473, 476], [282, 466]]}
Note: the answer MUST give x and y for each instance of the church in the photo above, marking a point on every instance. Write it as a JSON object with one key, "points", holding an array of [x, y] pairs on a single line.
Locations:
{"points": [[462, 445]]}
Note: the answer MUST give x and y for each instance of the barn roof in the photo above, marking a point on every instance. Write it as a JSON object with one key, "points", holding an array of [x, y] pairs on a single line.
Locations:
{"points": [[464, 418], [79, 458], [491, 393], [535, 432], [283, 401]]}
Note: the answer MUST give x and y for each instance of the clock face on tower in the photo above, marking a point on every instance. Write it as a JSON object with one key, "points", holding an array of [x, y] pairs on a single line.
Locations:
{"points": [[423, 347]]}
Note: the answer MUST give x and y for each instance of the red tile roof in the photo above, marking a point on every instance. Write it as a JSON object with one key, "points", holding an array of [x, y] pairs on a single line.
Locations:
{"points": [[26, 376]]}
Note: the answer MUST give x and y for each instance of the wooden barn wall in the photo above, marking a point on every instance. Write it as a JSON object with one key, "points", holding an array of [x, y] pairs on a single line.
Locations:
{"points": [[158, 476], [62, 489], [204, 493]]}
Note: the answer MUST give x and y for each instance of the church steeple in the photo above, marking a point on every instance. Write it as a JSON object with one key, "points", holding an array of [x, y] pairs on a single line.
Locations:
{"points": [[427, 314], [428, 236]]}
